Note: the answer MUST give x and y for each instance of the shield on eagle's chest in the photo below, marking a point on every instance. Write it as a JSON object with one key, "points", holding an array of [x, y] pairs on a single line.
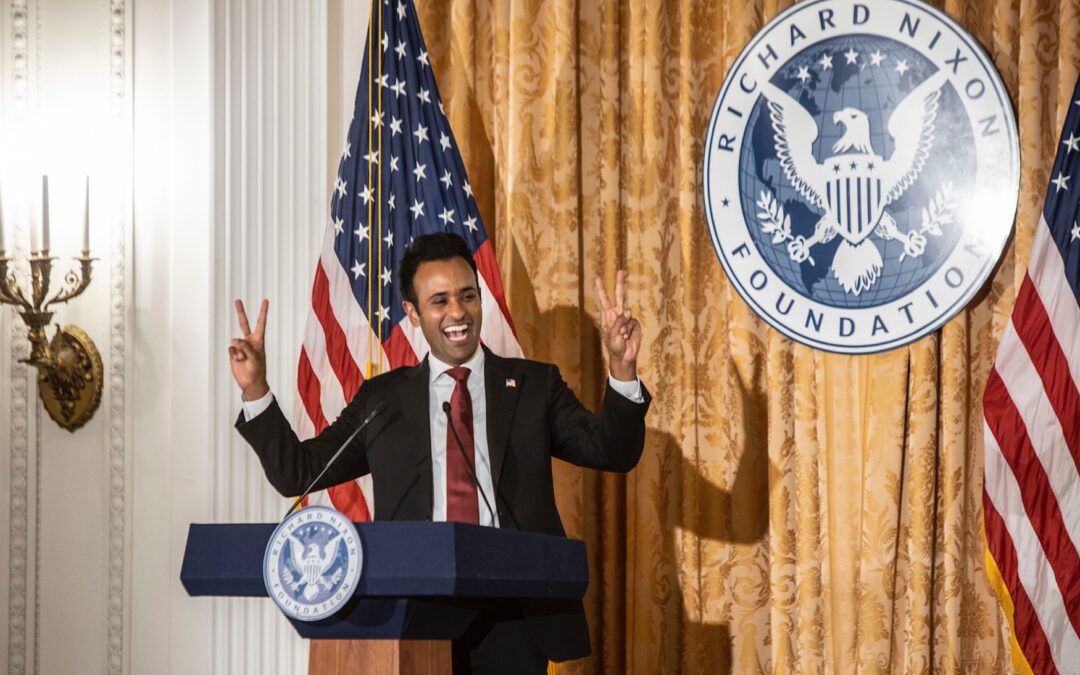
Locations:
{"points": [[311, 570], [854, 194]]}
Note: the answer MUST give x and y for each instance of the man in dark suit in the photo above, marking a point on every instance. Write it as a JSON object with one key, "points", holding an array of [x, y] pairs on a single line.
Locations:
{"points": [[466, 436]]}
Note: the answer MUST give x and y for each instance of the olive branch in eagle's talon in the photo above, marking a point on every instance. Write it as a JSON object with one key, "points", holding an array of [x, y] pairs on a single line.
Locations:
{"points": [[777, 224]]}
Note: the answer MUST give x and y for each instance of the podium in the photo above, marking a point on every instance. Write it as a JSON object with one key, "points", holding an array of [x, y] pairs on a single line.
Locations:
{"points": [[422, 585]]}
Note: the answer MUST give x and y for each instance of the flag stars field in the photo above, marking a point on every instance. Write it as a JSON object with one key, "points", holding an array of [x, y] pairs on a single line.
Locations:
{"points": [[417, 209], [1061, 182]]}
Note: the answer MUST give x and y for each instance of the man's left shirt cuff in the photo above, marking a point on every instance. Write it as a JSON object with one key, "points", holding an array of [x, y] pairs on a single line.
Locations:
{"points": [[628, 389]]}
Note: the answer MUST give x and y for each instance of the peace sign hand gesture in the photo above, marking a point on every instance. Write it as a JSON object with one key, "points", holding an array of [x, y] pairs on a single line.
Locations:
{"points": [[247, 355], [622, 332]]}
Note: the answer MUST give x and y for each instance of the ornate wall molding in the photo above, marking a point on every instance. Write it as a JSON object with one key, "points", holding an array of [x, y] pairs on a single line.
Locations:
{"points": [[119, 55], [18, 532], [117, 458], [20, 50], [19, 535]]}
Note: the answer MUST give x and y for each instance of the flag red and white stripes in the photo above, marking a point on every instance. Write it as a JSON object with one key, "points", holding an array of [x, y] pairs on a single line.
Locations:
{"points": [[1031, 491]]}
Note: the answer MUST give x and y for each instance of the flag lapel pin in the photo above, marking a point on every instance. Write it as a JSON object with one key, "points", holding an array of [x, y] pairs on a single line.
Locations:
{"points": [[511, 383]]}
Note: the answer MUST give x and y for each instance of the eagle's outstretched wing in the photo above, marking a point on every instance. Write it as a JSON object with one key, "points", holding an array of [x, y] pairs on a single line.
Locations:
{"points": [[329, 554], [911, 126], [794, 132], [296, 552]]}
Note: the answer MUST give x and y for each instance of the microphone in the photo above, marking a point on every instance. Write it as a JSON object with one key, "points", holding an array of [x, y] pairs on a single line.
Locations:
{"points": [[381, 406], [469, 464]]}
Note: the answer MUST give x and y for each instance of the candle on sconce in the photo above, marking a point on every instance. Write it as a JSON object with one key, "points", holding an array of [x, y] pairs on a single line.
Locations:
{"points": [[44, 213], [86, 218], [35, 236]]}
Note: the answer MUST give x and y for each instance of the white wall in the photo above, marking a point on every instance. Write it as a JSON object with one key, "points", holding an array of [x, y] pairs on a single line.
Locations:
{"points": [[212, 128]]}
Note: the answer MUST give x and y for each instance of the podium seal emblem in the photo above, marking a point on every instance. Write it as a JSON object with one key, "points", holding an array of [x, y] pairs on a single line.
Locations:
{"points": [[861, 172], [312, 563]]}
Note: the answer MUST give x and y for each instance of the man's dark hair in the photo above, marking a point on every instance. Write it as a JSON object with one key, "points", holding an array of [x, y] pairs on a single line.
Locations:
{"points": [[428, 247]]}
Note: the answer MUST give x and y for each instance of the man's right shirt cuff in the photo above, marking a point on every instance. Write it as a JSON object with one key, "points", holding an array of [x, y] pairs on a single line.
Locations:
{"points": [[253, 409]]}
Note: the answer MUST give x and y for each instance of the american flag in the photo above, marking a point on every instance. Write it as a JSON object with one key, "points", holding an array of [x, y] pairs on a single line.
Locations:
{"points": [[400, 175], [1031, 492]]}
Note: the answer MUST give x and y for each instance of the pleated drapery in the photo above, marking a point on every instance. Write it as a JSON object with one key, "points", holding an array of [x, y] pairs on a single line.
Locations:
{"points": [[794, 511]]}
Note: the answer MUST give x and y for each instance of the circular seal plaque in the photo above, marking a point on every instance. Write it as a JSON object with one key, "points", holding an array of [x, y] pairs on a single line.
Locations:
{"points": [[312, 563], [861, 172]]}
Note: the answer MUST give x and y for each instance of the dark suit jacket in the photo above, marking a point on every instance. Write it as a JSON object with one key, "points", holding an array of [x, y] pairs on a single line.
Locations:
{"points": [[528, 423]]}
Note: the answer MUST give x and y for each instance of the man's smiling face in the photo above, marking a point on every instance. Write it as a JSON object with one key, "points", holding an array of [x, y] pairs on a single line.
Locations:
{"points": [[448, 309]]}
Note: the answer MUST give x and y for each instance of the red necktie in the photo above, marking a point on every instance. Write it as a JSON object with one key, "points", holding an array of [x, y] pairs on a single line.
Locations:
{"points": [[461, 501]]}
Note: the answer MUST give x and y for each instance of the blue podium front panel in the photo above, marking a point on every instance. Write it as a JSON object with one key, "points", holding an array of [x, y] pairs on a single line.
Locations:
{"points": [[420, 580]]}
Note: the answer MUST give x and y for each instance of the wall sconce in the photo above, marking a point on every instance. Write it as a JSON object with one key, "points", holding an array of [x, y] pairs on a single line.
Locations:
{"points": [[70, 373]]}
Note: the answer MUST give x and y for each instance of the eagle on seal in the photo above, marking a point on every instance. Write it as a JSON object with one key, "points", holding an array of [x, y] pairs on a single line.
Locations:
{"points": [[854, 186], [313, 563]]}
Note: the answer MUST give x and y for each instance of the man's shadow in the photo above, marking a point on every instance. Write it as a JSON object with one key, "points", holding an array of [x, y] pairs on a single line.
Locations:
{"points": [[684, 501]]}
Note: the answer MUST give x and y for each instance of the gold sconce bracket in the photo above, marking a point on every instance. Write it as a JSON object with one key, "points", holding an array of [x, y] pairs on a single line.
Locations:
{"points": [[71, 389], [70, 371]]}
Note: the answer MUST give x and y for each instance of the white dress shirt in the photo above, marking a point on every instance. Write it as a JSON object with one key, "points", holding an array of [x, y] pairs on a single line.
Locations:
{"points": [[440, 388]]}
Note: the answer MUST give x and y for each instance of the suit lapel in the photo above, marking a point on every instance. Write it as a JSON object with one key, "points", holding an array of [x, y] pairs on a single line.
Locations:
{"points": [[502, 386]]}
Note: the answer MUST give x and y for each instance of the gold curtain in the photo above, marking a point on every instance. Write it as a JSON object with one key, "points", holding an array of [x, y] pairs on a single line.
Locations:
{"points": [[794, 511]]}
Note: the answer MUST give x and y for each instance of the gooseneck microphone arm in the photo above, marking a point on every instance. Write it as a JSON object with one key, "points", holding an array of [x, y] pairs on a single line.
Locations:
{"points": [[381, 406], [468, 462]]}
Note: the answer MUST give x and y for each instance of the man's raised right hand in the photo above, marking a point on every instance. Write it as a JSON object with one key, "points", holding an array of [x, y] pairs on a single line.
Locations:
{"points": [[247, 355]]}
